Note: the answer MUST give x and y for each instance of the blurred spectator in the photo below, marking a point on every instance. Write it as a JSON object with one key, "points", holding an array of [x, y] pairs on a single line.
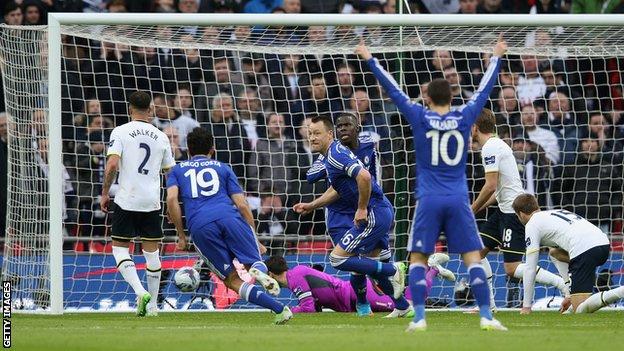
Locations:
{"points": [[271, 168], [320, 6], [285, 82], [315, 100], [42, 163], [372, 123], [261, 6], [292, 6], [506, 107], [460, 95], [13, 14], [251, 115], [546, 6], [166, 116], [562, 122], [343, 92], [39, 126], [491, 7], [531, 85], [600, 126], [188, 6], [117, 6], [32, 14], [507, 77], [254, 76], [533, 169], [468, 6], [174, 139], [594, 6], [230, 138], [226, 81], [93, 107], [389, 7], [4, 170], [167, 6], [94, 123], [552, 79], [188, 66], [592, 187], [91, 161], [183, 102], [543, 137]]}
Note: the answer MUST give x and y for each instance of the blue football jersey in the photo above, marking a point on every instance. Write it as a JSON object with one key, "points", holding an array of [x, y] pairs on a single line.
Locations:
{"points": [[205, 187], [366, 153], [342, 168], [441, 141]]}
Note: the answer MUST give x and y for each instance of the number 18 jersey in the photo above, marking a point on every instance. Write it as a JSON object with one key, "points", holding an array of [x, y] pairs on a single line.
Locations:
{"points": [[205, 187], [143, 150]]}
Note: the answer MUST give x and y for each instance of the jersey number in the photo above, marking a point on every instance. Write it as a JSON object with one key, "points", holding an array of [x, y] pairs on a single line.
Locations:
{"points": [[209, 187], [566, 216], [439, 147], [148, 152]]}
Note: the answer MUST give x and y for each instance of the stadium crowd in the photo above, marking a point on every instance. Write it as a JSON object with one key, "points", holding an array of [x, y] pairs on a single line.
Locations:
{"points": [[563, 117]]}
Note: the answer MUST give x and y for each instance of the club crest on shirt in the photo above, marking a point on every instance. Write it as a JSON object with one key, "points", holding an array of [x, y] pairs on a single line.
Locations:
{"points": [[528, 242], [110, 143], [490, 160]]}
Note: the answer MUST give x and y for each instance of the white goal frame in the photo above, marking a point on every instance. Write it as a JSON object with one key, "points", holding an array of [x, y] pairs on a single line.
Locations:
{"points": [[55, 20]]}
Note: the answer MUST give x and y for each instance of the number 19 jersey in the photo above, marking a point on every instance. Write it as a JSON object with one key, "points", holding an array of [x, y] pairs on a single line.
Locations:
{"points": [[205, 187], [143, 150]]}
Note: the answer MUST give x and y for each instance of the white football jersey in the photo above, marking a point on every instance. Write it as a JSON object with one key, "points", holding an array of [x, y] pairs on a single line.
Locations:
{"points": [[562, 229], [144, 152], [498, 157]]}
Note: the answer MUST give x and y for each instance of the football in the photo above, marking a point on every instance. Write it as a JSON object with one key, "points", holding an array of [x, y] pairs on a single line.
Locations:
{"points": [[186, 279]]}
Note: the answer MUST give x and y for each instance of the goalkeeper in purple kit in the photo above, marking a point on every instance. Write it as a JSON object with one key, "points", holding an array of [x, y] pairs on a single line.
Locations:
{"points": [[441, 138]]}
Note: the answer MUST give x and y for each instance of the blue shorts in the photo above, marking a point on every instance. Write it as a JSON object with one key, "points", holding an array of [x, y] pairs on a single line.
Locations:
{"points": [[221, 241], [337, 224], [445, 213], [375, 235]]}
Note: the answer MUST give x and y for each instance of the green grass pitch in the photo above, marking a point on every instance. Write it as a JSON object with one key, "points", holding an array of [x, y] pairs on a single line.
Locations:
{"points": [[319, 332]]}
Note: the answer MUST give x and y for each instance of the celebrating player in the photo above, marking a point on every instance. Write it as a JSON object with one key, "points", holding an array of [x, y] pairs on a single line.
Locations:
{"points": [[339, 215], [441, 136], [209, 191], [139, 151], [586, 248], [502, 185], [358, 248], [317, 290]]}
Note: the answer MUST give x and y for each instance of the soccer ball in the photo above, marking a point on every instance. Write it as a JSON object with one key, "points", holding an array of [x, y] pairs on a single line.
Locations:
{"points": [[186, 279]]}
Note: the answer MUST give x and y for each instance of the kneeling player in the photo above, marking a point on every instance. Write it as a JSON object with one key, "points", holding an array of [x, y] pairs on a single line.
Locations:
{"points": [[317, 290], [210, 190], [586, 245]]}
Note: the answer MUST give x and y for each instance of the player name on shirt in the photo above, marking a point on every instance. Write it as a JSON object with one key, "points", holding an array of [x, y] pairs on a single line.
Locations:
{"points": [[144, 132], [449, 123], [203, 163]]}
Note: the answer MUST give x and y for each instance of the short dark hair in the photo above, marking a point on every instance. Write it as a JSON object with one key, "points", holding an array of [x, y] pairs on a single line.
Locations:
{"points": [[486, 122], [325, 119], [439, 92], [199, 142], [276, 264], [10, 7], [140, 100], [525, 203], [351, 115]]}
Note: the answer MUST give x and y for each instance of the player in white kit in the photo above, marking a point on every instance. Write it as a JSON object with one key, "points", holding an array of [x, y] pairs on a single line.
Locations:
{"points": [[139, 152], [582, 248], [502, 185]]}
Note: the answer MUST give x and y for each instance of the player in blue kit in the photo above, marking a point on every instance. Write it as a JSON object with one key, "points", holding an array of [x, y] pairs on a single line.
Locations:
{"points": [[357, 250], [339, 215], [219, 221], [441, 138]]}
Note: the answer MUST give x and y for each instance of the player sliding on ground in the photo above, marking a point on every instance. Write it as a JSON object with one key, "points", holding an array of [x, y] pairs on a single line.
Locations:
{"points": [[581, 247], [358, 248], [502, 185], [317, 290], [219, 221], [441, 138], [339, 214], [138, 151]]}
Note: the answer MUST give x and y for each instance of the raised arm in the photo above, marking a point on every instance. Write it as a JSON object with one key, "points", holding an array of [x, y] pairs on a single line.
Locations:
{"points": [[400, 99]]}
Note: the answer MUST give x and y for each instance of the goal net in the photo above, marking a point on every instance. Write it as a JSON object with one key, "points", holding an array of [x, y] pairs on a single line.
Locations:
{"points": [[558, 103]]}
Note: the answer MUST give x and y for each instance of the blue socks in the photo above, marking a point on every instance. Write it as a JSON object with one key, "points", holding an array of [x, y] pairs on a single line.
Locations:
{"points": [[480, 289], [259, 265], [363, 265], [256, 296], [358, 282], [418, 289], [386, 286]]}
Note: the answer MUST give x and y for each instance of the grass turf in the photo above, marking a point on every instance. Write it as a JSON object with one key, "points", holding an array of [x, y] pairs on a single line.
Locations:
{"points": [[319, 332]]}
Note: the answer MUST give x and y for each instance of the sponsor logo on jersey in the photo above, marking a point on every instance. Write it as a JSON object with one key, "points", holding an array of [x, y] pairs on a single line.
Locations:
{"points": [[111, 143], [490, 160]]}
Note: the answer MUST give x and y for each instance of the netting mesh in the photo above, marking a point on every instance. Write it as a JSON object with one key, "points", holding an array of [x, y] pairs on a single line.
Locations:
{"points": [[254, 88]]}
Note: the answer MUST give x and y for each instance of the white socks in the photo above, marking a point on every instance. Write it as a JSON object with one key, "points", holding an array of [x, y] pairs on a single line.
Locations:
{"points": [[543, 277], [601, 299], [488, 274], [152, 271], [126, 267]]}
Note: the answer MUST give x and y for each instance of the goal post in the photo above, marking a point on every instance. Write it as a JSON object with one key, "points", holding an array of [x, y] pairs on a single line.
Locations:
{"points": [[574, 36]]}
